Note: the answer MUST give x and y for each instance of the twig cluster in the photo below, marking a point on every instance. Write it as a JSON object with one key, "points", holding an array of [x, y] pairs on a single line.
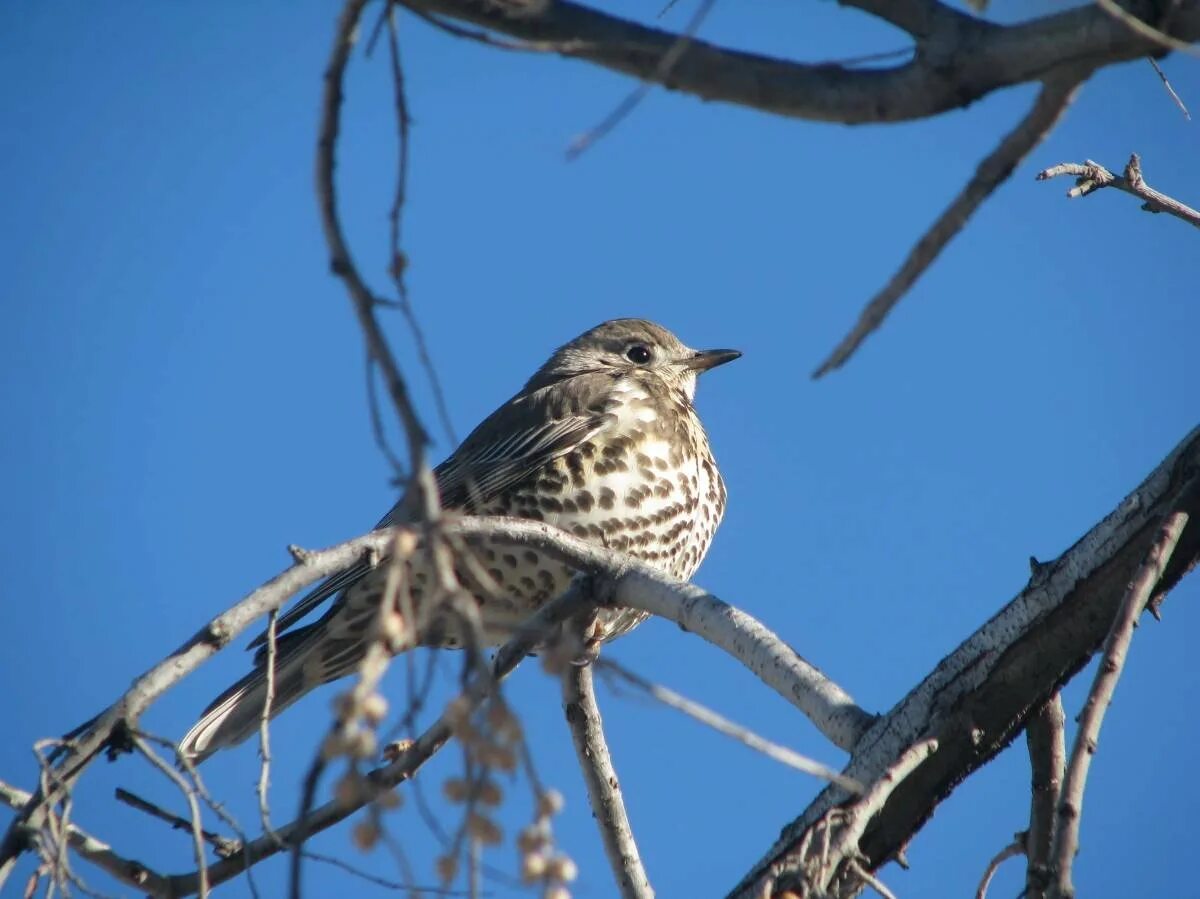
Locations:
{"points": [[1091, 177]]}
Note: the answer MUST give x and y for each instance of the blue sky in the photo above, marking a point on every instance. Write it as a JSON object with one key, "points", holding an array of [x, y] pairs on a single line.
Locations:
{"points": [[182, 386]]}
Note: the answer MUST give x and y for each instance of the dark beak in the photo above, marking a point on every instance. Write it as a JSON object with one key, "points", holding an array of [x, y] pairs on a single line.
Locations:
{"points": [[706, 359]]}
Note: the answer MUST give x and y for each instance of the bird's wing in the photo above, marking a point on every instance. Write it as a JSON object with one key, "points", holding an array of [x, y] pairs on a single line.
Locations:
{"points": [[516, 440]]}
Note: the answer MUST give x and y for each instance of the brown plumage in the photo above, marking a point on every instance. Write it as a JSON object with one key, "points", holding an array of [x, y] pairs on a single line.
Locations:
{"points": [[603, 441]]}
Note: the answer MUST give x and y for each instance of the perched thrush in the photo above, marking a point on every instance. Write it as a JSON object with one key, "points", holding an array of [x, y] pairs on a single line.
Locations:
{"points": [[603, 442]]}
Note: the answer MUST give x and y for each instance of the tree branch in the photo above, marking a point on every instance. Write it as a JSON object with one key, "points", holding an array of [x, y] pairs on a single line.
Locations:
{"points": [[1091, 177], [187, 658], [126, 870], [604, 790], [980, 696], [407, 762], [960, 58], [1116, 648], [422, 487], [994, 170], [723, 725], [1047, 759]]}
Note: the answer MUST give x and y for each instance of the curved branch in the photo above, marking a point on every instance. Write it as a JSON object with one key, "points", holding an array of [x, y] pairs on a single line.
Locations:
{"points": [[960, 58]]}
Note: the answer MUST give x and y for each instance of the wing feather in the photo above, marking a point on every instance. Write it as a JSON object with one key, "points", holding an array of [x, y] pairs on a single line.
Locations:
{"points": [[514, 442]]}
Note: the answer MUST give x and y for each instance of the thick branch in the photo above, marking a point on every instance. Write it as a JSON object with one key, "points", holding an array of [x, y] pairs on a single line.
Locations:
{"points": [[960, 59], [979, 697], [604, 790]]}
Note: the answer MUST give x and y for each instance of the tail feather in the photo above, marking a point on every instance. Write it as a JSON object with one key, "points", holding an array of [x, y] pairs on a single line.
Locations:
{"points": [[237, 713]]}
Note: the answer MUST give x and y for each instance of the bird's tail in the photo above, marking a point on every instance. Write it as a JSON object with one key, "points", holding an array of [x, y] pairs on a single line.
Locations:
{"points": [[237, 713]]}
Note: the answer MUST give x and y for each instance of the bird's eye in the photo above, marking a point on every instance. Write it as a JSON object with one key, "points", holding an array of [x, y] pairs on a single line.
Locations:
{"points": [[638, 354]]}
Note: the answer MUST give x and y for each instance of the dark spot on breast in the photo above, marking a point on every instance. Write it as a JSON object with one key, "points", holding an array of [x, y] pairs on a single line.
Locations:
{"points": [[607, 498], [584, 500], [510, 560]]}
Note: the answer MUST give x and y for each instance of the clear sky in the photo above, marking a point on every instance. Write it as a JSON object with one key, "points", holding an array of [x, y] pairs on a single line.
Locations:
{"points": [[181, 386]]}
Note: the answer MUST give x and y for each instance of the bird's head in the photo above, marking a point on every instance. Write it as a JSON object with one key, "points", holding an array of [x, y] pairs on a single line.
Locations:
{"points": [[634, 348]]}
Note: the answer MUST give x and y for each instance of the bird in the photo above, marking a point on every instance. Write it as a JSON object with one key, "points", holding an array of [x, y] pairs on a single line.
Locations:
{"points": [[603, 442]]}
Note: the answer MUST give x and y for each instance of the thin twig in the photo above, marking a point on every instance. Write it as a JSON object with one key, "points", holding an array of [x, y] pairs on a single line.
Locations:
{"points": [[1047, 743], [1012, 850], [97, 852], [1091, 177], [264, 726], [604, 790], [342, 264], [1112, 661], [202, 884], [723, 725], [682, 41], [223, 846], [871, 880], [399, 262], [1170, 90], [528, 636], [1053, 99]]}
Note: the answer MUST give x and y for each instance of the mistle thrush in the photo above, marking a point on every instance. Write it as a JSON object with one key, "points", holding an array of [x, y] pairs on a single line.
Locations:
{"points": [[603, 442]]}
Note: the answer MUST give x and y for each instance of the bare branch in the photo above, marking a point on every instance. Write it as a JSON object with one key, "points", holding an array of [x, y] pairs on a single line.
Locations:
{"points": [[581, 144], [1170, 90], [407, 761], [1144, 29], [604, 790], [1047, 757], [97, 852], [1012, 850], [264, 727], [1091, 176], [184, 660], [723, 725], [222, 845], [962, 58], [423, 489], [1054, 98], [977, 698], [1116, 646], [202, 883]]}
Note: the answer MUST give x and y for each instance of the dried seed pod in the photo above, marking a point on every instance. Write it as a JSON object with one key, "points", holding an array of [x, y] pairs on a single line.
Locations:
{"points": [[366, 834], [484, 829], [532, 839], [374, 709], [455, 789], [364, 745], [550, 802], [389, 800], [562, 868], [447, 868], [533, 867], [489, 793]]}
